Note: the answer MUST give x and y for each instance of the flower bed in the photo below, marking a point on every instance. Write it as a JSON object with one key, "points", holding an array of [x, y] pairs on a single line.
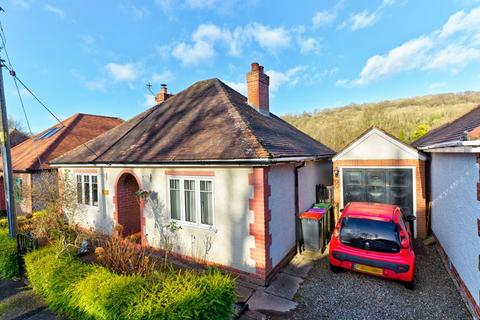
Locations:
{"points": [[87, 291]]}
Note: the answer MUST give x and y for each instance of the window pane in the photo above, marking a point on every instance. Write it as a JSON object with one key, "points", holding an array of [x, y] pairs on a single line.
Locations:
{"points": [[175, 199], [79, 189], [189, 187], [206, 202], [86, 189], [94, 191]]}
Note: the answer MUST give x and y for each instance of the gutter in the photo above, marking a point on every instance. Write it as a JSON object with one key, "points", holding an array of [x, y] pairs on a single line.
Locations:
{"points": [[455, 143], [298, 235], [180, 163]]}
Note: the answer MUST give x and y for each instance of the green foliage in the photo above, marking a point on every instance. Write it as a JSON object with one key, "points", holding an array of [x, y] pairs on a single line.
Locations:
{"points": [[338, 127], [83, 291], [420, 131], [8, 256]]}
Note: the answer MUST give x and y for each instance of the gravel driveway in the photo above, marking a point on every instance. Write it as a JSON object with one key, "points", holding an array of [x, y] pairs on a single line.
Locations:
{"points": [[349, 295]]}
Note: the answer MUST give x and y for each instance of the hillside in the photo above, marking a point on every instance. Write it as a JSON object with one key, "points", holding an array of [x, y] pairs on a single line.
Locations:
{"points": [[407, 119]]}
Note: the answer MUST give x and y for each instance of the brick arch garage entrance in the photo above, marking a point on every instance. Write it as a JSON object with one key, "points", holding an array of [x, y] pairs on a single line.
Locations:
{"points": [[128, 208]]}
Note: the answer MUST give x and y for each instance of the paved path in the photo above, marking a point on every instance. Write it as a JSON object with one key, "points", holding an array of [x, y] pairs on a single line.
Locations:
{"points": [[18, 302]]}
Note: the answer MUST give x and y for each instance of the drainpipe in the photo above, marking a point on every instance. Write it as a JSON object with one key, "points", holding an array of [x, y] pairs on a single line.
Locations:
{"points": [[298, 234]]}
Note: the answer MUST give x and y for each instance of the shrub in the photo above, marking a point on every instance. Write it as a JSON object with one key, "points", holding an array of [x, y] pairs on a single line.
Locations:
{"points": [[83, 291], [123, 256], [8, 256]]}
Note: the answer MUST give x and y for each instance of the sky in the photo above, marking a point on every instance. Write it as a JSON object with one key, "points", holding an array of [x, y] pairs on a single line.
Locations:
{"points": [[97, 56]]}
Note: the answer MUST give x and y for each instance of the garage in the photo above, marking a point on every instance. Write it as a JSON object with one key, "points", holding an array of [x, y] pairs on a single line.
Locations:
{"points": [[380, 185], [377, 167]]}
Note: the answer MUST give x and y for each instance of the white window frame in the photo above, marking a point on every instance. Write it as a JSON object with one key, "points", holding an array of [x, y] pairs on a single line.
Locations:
{"points": [[82, 175], [198, 214]]}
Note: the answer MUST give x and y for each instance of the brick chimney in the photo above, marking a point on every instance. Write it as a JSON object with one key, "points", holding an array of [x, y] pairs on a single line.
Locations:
{"points": [[257, 85], [162, 95]]}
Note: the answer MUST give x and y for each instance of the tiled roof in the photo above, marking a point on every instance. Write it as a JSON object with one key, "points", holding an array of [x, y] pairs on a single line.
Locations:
{"points": [[35, 153], [457, 130], [207, 121]]}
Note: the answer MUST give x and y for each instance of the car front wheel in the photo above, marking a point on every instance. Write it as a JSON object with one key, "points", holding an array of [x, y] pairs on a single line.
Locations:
{"points": [[334, 269], [410, 285]]}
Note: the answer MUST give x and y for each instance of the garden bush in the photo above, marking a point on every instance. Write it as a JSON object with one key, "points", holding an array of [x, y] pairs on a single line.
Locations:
{"points": [[8, 256], [86, 291]]}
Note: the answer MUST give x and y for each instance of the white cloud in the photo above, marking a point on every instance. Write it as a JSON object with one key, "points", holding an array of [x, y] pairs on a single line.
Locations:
{"points": [[309, 44], [149, 100], [96, 85], [452, 56], [122, 72], [365, 18], [55, 10], [163, 77], [238, 86], [20, 3], [449, 48], [200, 4], [207, 37], [136, 13], [291, 76], [462, 21], [193, 54], [322, 18]]}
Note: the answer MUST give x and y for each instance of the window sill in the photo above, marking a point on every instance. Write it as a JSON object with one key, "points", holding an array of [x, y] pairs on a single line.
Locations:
{"points": [[193, 225]]}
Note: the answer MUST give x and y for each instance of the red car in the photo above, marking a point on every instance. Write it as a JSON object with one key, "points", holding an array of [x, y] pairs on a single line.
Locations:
{"points": [[374, 238]]}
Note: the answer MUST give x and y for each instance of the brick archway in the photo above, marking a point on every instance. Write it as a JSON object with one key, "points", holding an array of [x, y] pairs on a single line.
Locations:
{"points": [[128, 207]]}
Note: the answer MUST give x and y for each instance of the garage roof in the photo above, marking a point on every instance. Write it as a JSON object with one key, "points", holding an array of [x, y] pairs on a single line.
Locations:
{"points": [[376, 144]]}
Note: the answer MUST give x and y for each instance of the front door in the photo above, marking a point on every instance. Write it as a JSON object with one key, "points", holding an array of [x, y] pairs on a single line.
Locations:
{"points": [[394, 186]]}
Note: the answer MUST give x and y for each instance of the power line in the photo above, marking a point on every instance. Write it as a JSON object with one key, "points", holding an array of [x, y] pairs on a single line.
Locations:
{"points": [[16, 78]]}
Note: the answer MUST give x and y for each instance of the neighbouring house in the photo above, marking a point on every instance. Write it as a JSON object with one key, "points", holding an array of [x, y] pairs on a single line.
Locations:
{"points": [[454, 150], [377, 167], [30, 158], [221, 166]]}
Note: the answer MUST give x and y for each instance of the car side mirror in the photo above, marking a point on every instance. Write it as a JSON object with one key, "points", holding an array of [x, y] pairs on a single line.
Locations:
{"points": [[410, 218], [341, 210], [404, 243]]}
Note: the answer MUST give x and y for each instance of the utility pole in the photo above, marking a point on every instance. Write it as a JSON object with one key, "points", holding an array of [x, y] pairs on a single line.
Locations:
{"points": [[7, 159]]}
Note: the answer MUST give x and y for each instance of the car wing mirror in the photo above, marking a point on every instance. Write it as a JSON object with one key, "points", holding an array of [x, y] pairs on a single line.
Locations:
{"points": [[410, 218], [404, 243]]}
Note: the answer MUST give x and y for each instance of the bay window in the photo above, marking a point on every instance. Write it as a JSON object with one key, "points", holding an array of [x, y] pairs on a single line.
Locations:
{"points": [[191, 200]]}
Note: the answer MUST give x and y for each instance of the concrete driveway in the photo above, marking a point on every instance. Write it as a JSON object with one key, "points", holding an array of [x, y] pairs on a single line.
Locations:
{"points": [[307, 289], [349, 295]]}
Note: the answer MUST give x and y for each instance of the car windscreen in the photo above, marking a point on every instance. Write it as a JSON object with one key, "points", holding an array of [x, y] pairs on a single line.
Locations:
{"points": [[370, 235]]}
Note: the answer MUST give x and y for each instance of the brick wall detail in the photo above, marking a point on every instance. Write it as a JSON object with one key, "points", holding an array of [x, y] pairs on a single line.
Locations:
{"points": [[259, 229]]}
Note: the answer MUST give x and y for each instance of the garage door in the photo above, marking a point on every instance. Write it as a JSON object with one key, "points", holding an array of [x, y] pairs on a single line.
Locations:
{"points": [[379, 185]]}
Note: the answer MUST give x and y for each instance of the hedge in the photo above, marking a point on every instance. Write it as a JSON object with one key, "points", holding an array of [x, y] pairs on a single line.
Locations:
{"points": [[86, 291], [8, 256]]}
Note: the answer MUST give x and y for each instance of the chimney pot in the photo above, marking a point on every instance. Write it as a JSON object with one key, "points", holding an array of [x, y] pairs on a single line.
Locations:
{"points": [[257, 85], [163, 94]]}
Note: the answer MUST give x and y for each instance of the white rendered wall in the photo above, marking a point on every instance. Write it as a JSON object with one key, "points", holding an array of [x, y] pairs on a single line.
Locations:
{"points": [[314, 172], [455, 211], [282, 206], [229, 236]]}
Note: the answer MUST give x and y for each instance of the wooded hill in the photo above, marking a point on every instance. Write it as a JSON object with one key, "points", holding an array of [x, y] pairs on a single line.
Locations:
{"points": [[408, 119]]}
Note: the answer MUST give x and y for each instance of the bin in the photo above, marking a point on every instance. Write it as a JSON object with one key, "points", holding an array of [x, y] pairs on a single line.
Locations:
{"points": [[312, 228]]}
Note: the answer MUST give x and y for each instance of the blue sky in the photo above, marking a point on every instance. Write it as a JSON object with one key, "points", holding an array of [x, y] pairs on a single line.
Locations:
{"points": [[97, 56]]}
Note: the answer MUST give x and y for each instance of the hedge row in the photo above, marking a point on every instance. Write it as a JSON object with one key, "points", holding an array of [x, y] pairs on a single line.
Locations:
{"points": [[86, 291], [8, 256]]}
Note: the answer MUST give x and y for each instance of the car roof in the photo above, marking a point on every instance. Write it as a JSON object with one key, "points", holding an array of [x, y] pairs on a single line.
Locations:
{"points": [[369, 210]]}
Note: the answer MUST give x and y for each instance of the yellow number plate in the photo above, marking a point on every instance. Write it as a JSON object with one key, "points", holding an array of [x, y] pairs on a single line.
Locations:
{"points": [[368, 269]]}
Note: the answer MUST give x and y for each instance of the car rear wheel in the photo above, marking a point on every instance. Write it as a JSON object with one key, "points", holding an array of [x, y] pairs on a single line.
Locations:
{"points": [[410, 285], [334, 269]]}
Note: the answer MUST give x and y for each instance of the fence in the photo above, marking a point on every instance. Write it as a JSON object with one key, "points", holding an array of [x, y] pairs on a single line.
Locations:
{"points": [[25, 243]]}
